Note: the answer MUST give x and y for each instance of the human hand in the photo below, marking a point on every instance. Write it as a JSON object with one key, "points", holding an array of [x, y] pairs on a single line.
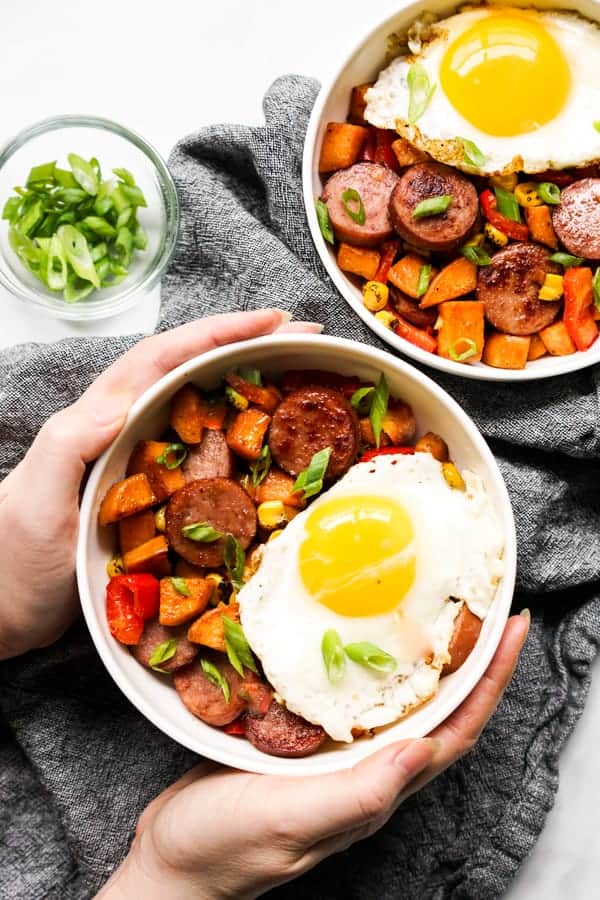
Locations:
{"points": [[221, 834], [38, 598]]}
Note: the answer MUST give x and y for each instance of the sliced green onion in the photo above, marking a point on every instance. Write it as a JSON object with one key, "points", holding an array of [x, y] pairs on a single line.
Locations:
{"points": [[461, 356], [172, 456], [41, 174], [77, 289], [11, 208], [379, 407], [476, 255], [235, 560], [507, 205], [332, 651], [237, 647], [596, 288], [549, 192], [99, 226], [423, 279], [133, 194], [56, 264], [83, 173], [310, 480], [420, 92], [432, 206], [78, 254], [324, 221], [162, 653], [259, 469], [181, 586], [252, 376], [31, 217], [566, 259], [125, 175], [357, 214], [201, 532], [370, 656], [472, 155], [361, 399], [64, 178], [215, 677]]}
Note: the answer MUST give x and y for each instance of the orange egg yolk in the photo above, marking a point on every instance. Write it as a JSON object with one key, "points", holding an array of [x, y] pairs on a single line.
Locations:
{"points": [[506, 74], [358, 556]]}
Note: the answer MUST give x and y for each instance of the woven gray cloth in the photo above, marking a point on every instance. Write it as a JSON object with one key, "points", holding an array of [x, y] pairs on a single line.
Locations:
{"points": [[78, 763]]}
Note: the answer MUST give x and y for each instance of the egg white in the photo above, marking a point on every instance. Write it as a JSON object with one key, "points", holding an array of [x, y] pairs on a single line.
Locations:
{"points": [[569, 139], [458, 545]]}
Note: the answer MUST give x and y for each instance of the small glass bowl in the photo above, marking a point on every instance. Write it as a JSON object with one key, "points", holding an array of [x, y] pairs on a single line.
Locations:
{"points": [[114, 146]]}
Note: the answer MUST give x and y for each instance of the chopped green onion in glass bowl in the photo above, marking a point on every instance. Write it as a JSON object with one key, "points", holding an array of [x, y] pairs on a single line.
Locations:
{"points": [[90, 217]]}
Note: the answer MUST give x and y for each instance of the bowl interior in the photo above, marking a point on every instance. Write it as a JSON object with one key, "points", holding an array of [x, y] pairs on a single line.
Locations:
{"points": [[363, 65], [54, 141], [151, 693]]}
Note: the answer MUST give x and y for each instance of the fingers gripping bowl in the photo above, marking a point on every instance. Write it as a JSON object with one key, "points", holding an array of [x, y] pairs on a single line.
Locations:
{"points": [[153, 694], [456, 286]]}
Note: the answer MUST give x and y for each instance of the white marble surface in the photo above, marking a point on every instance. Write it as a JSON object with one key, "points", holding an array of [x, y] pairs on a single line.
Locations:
{"points": [[193, 63]]}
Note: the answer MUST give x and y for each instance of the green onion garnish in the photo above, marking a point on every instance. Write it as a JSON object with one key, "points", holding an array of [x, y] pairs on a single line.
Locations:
{"points": [[379, 407], [506, 204], [162, 653], [332, 651], [469, 351], [420, 92], [235, 560], [476, 255], [237, 647], [549, 192], [472, 155], [370, 656], [361, 400], [201, 532], [324, 221], [423, 279], [596, 288], [310, 480], [357, 213], [566, 259], [180, 586], [216, 678], [259, 469], [172, 456], [252, 376], [433, 206]]}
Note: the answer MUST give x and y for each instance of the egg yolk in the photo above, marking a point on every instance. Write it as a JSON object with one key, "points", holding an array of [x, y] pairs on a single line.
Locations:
{"points": [[358, 555], [506, 74]]}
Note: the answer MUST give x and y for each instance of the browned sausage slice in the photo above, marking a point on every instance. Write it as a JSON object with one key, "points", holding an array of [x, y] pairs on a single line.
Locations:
{"points": [[205, 699], [446, 231], [509, 288], [308, 420], [410, 309], [282, 733], [211, 458], [375, 184], [464, 637], [154, 635], [576, 219], [219, 502]]}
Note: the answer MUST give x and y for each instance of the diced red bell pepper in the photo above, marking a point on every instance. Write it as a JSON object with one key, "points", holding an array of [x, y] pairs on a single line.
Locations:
{"points": [[416, 336], [145, 593], [579, 306], [237, 727], [515, 230], [257, 695], [384, 155], [388, 252], [562, 179], [367, 153], [124, 624], [386, 451]]}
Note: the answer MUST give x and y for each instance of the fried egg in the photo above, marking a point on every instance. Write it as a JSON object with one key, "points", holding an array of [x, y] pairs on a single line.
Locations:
{"points": [[520, 84], [375, 558]]}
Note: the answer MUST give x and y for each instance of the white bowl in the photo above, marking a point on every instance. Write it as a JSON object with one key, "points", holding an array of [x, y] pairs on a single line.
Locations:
{"points": [[435, 410], [363, 65]]}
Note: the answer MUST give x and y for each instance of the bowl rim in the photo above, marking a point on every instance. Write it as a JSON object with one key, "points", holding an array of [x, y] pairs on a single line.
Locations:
{"points": [[261, 346], [125, 298], [560, 365]]}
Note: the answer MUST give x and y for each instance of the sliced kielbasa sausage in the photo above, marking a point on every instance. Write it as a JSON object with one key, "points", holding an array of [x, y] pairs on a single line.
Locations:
{"points": [[467, 627], [282, 733], [308, 420], [576, 219], [219, 502], [207, 700], [410, 310], [509, 288], [443, 232], [154, 635], [211, 458], [374, 184]]}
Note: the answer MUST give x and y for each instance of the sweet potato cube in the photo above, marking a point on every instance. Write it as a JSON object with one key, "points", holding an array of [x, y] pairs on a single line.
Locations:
{"points": [[358, 260], [358, 103], [208, 629], [267, 397], [461, 329], [150, 557], [246, 433], [278, 486], [406, 154], [399, 422], [506, 351], [186, 414], [136, 530], [145, 458], [126, 498], [405, 274], [557, 339], [455, 280], [342, 143], [541, 229], [537, 348], [183, 599]]}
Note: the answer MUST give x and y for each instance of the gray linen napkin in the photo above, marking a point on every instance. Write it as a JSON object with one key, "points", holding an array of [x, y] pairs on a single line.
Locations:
{"points": [[78, 763]]}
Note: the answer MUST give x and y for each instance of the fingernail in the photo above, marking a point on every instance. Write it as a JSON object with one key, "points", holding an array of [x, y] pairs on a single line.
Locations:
{"points": [[286, 315], [416, 755], [526, 613], [306, 327]]}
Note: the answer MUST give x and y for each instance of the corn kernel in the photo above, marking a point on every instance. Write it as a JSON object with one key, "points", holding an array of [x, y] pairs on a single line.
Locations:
{"points": [[476, 241], [160, 522], [115, 566], [271, 514], [387, 318], [552, 288], [496, 236], [508, 182], [375, 295], [275, 534], [453, 476], [236, 399], [526, 194]]}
